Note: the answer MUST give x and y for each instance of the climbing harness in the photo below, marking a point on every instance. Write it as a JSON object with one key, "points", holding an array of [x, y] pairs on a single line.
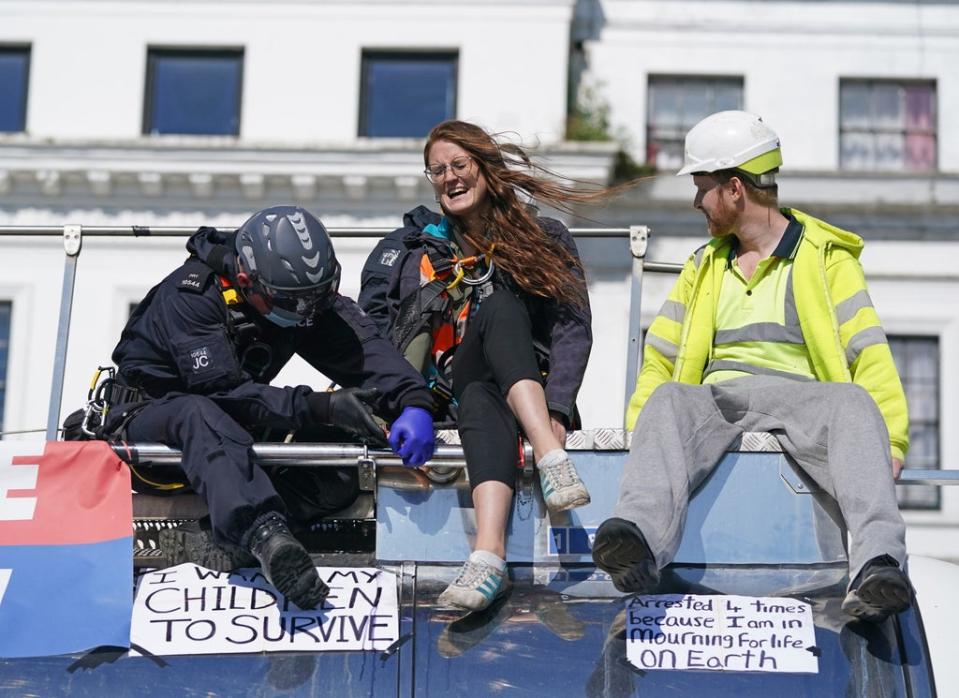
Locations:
{"points": [[461, 265], [103, 394]]}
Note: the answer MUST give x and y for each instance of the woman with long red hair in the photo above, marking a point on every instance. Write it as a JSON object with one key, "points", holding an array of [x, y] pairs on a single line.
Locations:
{"points": [[490, 302]]}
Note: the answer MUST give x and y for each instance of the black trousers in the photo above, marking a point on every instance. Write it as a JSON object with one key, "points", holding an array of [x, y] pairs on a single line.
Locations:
{"points": [[217, 460], [218, 463], [496, 352]]}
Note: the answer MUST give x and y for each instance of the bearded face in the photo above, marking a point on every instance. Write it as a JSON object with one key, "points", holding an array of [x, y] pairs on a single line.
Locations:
{"points": [[712, 199]]}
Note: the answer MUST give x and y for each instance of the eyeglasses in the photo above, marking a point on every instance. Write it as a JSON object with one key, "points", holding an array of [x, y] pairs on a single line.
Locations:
{"points": [[460, 166]]}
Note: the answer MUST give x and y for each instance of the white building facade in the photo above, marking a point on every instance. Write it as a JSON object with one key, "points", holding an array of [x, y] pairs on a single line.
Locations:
{"points": [[159, 113]]}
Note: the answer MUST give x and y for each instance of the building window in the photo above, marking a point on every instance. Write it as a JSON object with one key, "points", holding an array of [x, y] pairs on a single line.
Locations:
{"points": [[917, 359], [677, 103], [14, 77], [887, 125], [193, 92], [5, 308], [404, 95]]}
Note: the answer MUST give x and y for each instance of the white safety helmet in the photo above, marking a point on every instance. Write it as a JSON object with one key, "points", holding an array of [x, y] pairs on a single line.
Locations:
{"points": [[736, 140]]}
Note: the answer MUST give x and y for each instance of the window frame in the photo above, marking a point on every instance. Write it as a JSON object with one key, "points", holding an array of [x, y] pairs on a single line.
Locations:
{"points": [[27, 49], [369, 54], [652, 78], [154, 52], [5, 367], [901, 83], [937, 339]]}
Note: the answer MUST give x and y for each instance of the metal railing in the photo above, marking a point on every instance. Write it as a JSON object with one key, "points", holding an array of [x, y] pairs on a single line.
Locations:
{"points": [[348, 454], [73, 235], [305, 454]]}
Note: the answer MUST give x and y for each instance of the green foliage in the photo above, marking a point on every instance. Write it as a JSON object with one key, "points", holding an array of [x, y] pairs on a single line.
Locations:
{"points": [[626, 169], [589, 121], [589, 118]]}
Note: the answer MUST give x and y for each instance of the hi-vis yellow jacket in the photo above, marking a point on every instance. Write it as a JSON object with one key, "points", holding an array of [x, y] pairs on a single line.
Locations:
{"points": [[839, 324]]}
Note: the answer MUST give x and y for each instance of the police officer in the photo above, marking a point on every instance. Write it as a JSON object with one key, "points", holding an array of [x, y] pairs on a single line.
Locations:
{"points": [[202, 347]]}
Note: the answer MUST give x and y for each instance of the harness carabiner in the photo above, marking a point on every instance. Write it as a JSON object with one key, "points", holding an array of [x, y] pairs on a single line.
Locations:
{"points": [[461, 276], [96, 401], [470, 262]]}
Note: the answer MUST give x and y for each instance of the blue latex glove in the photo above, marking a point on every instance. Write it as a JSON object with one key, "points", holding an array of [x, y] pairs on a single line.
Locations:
{"points": [[412, 437]]}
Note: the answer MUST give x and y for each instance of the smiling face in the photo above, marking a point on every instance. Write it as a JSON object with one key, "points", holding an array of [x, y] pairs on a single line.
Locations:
{"points": [[464, 195], [713, 199]]}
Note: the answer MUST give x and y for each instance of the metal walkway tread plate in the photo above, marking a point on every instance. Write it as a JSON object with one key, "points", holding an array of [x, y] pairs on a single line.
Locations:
{"points": [[618, 439]]}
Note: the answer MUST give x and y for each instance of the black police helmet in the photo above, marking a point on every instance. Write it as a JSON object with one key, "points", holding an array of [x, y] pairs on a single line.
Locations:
{"points": [[287, 253]]}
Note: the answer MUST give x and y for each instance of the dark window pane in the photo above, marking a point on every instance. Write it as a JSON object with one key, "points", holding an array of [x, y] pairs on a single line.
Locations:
{"points": [[664, 105], [857, 151], [5, 309], [676, 104], [697, 103], [728, 97], [920, 109], [854, 111], [194, 92], [917, 359], [14, 75], [888, 111], [405, 95], [920, 152], [890, 151], [887, 125]]}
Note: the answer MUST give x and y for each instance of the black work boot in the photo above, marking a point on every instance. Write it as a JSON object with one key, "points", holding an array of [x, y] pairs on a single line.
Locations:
{"points": [[878, 591], [620, 549], [193, 542], [286, 564]]}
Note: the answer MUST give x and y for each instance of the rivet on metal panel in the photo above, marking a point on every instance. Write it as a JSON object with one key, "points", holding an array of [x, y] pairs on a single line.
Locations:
{"points": [[72, 239], [794, 479], [367, 468], [638, 237]]}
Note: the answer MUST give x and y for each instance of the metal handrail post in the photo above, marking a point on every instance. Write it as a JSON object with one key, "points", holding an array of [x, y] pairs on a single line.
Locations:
{"points": [[638, 238], [72, 243], [928, 477]]}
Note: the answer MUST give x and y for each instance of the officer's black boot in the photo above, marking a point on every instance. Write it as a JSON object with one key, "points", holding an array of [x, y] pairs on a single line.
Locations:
{"points": [[193, 542], [286, 564]]}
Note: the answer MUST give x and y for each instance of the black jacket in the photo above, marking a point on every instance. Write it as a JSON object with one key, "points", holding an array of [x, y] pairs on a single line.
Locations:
{"points": [[562, 334], [184, 338]]}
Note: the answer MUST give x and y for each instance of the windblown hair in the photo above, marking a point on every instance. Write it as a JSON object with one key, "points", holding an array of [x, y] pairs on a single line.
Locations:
{"points": [[537, 263]]}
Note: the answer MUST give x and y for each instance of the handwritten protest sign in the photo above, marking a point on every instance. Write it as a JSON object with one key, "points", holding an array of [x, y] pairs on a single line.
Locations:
{"points": [[721, 633], [188, 609]]}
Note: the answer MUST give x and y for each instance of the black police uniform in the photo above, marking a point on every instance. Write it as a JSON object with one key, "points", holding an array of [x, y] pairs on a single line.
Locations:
{"points": [[205, 366]]}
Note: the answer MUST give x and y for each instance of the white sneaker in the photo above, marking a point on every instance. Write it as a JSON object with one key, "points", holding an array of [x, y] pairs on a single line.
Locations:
{"points": [[562, 487], [475, 587]]}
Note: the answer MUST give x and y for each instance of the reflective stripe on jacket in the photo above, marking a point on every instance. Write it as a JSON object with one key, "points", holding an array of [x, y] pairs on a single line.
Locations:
{"points": [[840, 326]]}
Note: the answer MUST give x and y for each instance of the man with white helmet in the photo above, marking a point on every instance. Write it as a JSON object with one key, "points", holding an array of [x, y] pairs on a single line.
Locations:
{"points": [[769, 328]]}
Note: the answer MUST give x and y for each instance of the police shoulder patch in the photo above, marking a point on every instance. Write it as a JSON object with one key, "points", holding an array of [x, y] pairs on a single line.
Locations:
{"points": [[193, 277], [389, 256]]}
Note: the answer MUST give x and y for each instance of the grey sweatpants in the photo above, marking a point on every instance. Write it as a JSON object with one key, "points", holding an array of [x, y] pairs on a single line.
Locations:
{"points": [[833, 431]]}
